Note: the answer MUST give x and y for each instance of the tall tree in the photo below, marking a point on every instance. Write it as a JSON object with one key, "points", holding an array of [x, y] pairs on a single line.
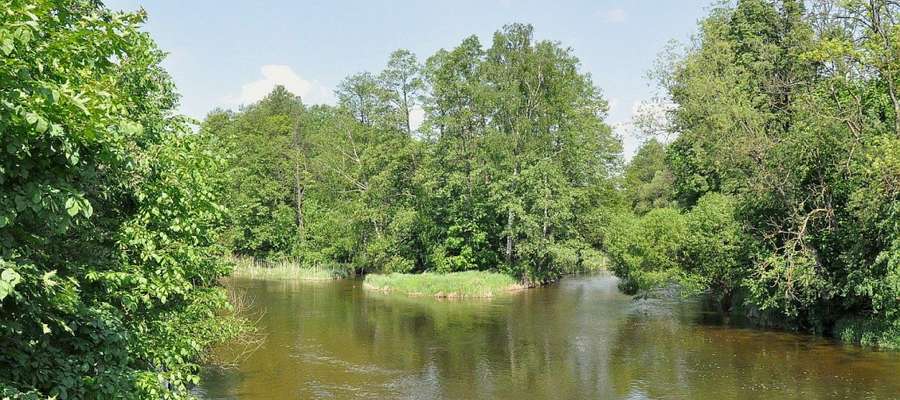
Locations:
{"points": [[528, 127], [364, 96], [264, 147], [402, 80], [647, 178]]}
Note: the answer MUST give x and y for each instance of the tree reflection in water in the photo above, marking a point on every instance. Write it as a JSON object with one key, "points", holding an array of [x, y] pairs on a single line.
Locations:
{"points": [[579, 338]]}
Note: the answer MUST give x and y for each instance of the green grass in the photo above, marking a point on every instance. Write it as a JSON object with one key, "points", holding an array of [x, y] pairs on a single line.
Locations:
{"points": [[281, 270], [452, 285]]}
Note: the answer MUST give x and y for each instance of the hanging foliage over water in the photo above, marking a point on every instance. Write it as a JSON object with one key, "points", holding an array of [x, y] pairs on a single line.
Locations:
{"points": [[790, 111], [108, 212]]}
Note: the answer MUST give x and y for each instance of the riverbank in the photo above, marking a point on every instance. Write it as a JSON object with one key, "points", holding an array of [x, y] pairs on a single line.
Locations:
{"points": [[468, 284], [250, 268]]}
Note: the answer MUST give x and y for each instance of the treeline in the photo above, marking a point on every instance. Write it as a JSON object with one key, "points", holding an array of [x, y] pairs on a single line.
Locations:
{"points": [[510, 169], [109, 256], [780, 196]]}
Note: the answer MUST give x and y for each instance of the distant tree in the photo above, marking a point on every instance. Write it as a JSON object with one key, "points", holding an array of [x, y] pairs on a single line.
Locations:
{"points": [[262, 144], [365, 98], [513, 151], [648, 180], [519, 126], [403, 81]]}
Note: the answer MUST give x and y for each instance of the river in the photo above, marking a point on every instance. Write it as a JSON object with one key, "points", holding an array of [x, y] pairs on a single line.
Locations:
{"points": [[577, 339]]}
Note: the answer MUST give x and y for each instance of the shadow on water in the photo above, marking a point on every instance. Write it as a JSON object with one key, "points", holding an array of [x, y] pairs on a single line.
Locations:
{"points": [[579, 338]]}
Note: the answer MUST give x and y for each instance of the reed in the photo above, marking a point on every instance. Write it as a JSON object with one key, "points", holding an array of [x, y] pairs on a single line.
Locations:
{"points": [[250, 268]]}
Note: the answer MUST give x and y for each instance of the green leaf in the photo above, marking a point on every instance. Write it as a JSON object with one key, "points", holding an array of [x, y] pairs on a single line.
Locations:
{"points": [[5, 290], [7, 46], [21, 203], [10, 276], [47, 278], [41, 125], [78, 102], [86, 208], [72, 206], [8, 281]]}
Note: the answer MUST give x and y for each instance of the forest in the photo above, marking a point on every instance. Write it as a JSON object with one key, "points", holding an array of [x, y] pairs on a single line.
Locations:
{"points": [[770, 186], [506, 173]]}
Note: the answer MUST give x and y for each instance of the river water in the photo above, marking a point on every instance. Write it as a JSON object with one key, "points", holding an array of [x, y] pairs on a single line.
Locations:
{"points": [[577, 339]]}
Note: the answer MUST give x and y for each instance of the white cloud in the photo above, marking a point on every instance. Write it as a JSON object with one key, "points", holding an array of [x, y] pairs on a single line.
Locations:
{"points": [[614, 15], [311, 92]]}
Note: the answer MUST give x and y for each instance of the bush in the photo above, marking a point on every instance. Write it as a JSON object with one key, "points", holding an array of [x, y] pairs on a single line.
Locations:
{"points": [[109, 213], [593, 260], [715, 249], [704, 250], [869, 331], [645, 251]]}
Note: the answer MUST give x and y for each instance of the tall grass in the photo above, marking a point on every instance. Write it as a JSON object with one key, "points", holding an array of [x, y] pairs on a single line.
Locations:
{"points": [[246, 267], [451, 285]]}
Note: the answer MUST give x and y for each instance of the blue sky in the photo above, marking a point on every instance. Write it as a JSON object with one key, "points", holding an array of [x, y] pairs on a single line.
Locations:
{"points": [[225, 53]]}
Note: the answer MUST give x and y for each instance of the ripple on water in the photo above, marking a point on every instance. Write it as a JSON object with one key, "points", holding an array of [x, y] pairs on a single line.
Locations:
{"points": [[579, 338]]}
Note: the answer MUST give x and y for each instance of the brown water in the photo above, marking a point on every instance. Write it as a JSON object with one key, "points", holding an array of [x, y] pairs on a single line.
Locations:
{"points": [[578, 339]]}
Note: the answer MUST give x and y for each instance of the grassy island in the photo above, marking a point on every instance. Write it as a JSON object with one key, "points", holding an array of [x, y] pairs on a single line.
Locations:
{"points": [[471, 284]]}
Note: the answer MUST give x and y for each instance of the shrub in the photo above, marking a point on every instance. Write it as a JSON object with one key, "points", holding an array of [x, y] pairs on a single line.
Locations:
{"points": [[715, 247], [645, 251], [109, 214]]}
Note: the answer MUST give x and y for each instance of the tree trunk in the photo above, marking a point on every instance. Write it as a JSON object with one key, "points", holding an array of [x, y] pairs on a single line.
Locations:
{"points": [[877, 22], [546, 223], [509, 238], [510, 220], [546, 227], [300, 192], [406, 113], [299, 189]]}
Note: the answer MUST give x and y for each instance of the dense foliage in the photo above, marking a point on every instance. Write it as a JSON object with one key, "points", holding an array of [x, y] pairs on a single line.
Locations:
{"points": [[505, 173], [785, 168], [108, 212]]}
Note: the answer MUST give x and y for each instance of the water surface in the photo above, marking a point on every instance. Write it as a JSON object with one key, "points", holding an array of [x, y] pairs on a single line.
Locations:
{"points": [[577, 339]]}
